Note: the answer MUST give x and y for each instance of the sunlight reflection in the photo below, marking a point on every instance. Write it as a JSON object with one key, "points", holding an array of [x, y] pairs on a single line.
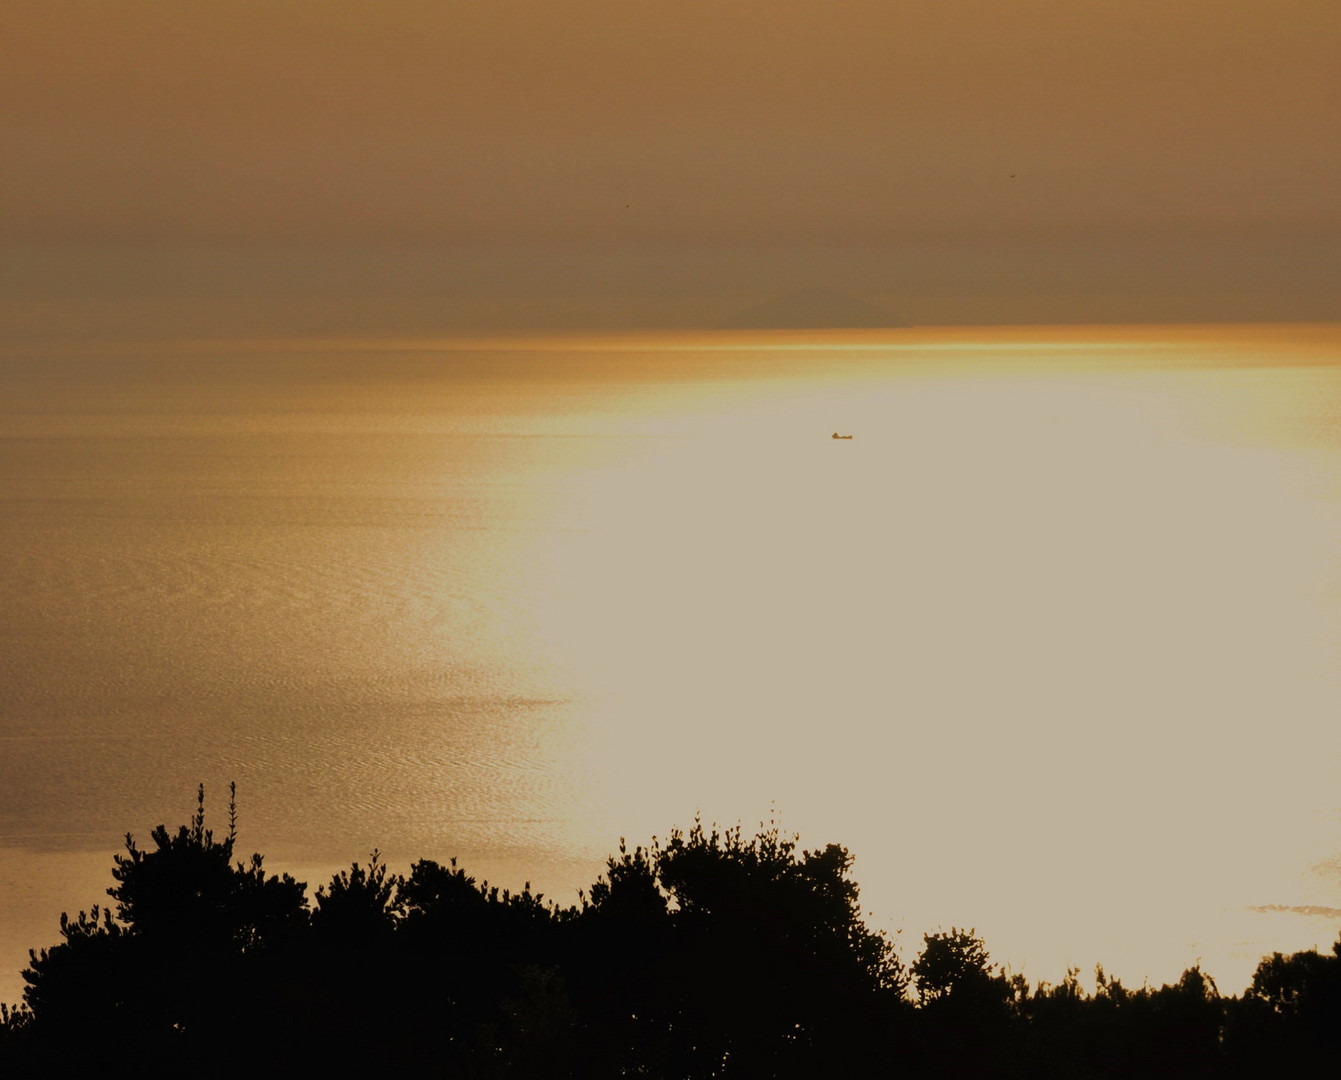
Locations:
{"points": [[1023, 637]]}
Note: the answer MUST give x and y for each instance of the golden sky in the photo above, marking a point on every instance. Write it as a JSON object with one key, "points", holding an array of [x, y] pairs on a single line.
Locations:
{"points": [[918, 154]]}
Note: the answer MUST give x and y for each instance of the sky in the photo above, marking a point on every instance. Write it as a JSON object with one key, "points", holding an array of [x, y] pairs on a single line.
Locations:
{"points": [[404, 165]]}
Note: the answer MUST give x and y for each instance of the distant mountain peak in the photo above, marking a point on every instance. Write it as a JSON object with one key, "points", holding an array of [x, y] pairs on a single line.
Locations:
{"points": [[812, 309]]}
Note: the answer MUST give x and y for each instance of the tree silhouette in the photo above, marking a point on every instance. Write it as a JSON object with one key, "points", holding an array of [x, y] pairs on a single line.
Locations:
{"points": [[183, 951], [713, 954], [770, 937], [965, 1003], [359, 905], [188, 894], [1289, 1016], [954, 964]]}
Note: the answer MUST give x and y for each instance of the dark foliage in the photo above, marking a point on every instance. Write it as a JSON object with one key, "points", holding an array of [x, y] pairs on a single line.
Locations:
{"points": [[715, 954], [192, 948]]}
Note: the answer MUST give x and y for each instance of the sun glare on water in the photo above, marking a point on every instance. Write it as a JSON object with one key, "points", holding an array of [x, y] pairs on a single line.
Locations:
{"points": [[1050, 643], [1046, 652]]}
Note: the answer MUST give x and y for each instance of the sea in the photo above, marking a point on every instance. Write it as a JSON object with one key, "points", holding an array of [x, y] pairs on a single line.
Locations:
{"points": [[1050, 643]]}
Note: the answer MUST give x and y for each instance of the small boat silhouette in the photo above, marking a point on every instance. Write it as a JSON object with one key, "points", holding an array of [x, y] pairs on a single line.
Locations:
{"points": [[837, 436]]}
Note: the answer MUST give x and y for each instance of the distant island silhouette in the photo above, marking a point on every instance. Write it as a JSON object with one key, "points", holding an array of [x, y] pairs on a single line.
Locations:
{"points": [[812, 309]]}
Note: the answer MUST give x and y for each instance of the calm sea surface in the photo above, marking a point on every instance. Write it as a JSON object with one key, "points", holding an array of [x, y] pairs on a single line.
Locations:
{"points": [[1051, 643]]}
